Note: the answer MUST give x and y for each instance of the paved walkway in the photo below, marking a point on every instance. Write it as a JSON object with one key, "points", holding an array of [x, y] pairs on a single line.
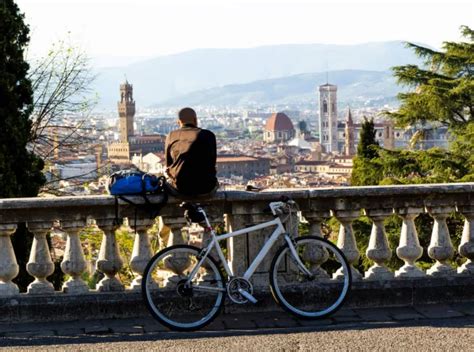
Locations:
{"points": [[77, 334]]}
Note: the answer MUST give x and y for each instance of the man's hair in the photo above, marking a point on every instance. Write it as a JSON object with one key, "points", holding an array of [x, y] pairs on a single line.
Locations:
{"points": [[187, 116]]}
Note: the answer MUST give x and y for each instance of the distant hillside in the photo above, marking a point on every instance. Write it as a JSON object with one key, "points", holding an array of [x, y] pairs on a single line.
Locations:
{"points": [[167, 77], [354, 86]]}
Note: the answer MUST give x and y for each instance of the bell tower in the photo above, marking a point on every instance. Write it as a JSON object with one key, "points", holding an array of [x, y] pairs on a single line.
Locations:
{"points": [[349, 144], [328, 117], [126, 109]]}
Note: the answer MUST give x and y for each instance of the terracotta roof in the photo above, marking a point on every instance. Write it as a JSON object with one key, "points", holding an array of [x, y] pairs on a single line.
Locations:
{"points": [[279, 122], [311, 162], [231, 159]]}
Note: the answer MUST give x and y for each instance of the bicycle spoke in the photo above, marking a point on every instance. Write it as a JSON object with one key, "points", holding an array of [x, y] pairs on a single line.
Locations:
{"points": [[310, 296], [176, 300]]}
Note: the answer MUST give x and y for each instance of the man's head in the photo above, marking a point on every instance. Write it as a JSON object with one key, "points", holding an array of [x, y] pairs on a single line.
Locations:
{"points": [[187, 116]]}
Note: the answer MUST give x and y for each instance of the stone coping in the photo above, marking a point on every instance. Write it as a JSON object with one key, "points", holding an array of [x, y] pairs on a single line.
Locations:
{"points": [[39, 209]]}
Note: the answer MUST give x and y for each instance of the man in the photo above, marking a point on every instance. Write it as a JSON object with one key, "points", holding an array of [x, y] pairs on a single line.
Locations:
{"points": [[190, 158]]}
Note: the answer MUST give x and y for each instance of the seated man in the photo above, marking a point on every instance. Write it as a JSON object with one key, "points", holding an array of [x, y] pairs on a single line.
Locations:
{"points": [[190, 158]]}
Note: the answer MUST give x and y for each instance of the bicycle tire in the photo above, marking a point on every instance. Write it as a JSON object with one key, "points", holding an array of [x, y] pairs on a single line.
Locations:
{"points": [[288, 295], [163, 300]]}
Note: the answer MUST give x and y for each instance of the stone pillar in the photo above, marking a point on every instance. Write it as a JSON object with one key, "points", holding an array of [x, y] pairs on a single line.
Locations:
{"points": [[315, 219], [237, 246], [440, 249], [74, 263], [346, 241], [141, 253], [409, 249], [109, 261], [40, 265], [175, 230], [8, 265], [315, 255], [466, 247], [176, 265], [378, 250]]}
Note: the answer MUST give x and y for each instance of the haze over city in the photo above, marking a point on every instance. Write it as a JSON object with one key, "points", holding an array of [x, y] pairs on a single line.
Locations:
{"points": [[126, 30]]}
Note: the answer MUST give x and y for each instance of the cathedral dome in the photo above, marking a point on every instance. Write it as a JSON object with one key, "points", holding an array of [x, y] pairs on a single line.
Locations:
{"points": [[279, 122]]}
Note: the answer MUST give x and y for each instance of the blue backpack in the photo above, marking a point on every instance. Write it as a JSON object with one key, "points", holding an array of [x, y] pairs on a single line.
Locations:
{"points": [[135, 182]]}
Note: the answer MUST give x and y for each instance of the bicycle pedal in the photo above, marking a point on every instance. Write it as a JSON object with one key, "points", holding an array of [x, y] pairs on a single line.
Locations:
{"points": [[248, 296]]}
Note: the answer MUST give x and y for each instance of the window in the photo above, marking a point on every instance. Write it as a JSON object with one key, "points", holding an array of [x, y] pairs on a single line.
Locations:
{"points": [[325, 106]]}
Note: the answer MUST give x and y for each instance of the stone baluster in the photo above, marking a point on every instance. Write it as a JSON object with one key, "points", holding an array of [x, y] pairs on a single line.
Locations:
{"points": [[8, 265], [109, 261], [440, 249], [316, 256], [378, 250], [74, 263], [40, 264], [141, 253], [466, 247], [177, 264], [409, 249], [346, 241]]}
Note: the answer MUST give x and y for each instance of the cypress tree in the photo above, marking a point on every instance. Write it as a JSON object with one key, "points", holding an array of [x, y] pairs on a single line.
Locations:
{"points": [[20, 170], [367, 141]]}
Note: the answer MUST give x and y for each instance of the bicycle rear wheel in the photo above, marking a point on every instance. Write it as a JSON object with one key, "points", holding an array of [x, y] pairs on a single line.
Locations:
{"points": [[171, 300], [315, 296]]}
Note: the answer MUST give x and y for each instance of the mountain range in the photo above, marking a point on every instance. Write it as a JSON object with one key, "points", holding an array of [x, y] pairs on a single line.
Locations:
{"points": [[355, 88], [170, 79]]}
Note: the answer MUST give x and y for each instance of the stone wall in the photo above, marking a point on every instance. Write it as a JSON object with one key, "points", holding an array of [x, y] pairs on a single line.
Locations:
{"points": [[237, 210]]}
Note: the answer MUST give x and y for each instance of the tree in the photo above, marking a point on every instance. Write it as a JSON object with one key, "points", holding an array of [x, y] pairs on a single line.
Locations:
{"points": [[20, 169], [61, 84], [442, 93], [367, 142], [364, 171]]}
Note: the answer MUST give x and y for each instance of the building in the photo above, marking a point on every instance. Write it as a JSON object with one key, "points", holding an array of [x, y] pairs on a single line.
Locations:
{"points": [[324, 168], [247, 167], [278, 128], [129, 144], [328, 118], [153, 163]]}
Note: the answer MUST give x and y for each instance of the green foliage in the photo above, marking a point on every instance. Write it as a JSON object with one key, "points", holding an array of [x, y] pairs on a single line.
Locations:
{"points": [[442, 94], [443, 89], [20, 170], [367, 141], [364, 172]]}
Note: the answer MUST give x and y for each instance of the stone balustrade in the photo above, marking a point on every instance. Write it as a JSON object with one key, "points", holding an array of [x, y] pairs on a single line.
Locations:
{"points": [[237, 209]]}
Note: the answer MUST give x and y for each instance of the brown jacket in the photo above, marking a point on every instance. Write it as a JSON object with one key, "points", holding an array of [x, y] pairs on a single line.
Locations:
{"points": [[191, 160]]}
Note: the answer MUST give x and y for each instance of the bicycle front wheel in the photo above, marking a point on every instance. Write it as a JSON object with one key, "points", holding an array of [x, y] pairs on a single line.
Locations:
{"points": [[174, 300], [318, 289]]}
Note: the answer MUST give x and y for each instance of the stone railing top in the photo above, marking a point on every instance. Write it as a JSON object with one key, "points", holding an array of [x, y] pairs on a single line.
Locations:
{"points": [[321, 199]]}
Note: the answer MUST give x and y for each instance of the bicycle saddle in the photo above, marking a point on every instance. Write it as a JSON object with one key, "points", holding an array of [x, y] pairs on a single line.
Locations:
{"points": [[191, 212]]}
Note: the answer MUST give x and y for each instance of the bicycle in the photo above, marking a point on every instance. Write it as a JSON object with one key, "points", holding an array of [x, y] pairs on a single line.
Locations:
{"points": [[184, 288]]}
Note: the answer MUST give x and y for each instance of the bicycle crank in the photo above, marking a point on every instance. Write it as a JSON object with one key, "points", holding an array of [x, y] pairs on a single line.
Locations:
{"points": [[240, 291]]}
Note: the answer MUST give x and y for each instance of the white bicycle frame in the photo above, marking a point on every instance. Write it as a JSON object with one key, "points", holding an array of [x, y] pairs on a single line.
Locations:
{"points": [[214, 243]]}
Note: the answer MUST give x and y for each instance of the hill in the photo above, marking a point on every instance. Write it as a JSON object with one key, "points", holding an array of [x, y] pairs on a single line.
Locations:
{"points": [[355, 87], [163, 78]]}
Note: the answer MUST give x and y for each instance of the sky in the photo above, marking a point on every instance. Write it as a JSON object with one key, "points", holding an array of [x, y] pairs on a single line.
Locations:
{"points": [[125, 29]]}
